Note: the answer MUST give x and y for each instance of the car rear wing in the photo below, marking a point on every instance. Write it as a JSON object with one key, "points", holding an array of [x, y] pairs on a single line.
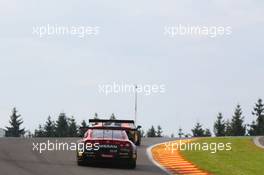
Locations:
{"points": [[110, 121], [107, 128]]}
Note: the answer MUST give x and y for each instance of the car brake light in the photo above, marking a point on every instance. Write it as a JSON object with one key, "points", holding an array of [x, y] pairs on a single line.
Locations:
{"points": [[125, 145]]}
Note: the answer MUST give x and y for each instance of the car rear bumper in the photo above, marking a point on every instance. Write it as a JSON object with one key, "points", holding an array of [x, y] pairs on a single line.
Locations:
{"points": [[99, 157]]}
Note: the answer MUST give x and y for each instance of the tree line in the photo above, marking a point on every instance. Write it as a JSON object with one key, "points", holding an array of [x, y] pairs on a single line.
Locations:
{"points": [[152, 132], [234, 127], [65, 126]]}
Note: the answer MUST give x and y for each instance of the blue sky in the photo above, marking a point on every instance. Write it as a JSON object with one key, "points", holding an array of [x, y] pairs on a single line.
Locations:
{"points": [[202, 75]]}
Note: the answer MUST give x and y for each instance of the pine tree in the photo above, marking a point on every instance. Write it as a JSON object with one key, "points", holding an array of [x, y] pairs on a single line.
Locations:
{"points": [[258, 111], [49, 128], [112, 117], [159, 131], [187, 135], [62, 126], [238, 129], [219, 126], [252, 131], [151, 132], [39, 132], [180, 133], [15, 121], [82, 130], [228, 128], [207, 133], [96, 116], [198, 131], [72, 130]]}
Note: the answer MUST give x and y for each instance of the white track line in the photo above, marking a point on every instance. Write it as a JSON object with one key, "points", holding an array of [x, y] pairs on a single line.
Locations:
{"points": [[256, 141]]}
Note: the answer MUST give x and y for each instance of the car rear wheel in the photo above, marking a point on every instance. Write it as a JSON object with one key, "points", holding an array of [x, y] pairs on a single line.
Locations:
{"points": [[80, 162], [137, 143], [132, 164], [138, 139]]}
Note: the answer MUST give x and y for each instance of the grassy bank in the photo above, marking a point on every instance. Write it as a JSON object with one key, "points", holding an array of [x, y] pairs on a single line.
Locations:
{"points": [[243, 159]]}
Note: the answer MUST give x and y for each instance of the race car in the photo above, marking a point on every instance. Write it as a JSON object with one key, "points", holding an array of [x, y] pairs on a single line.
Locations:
{"points": [[102, 144], [129, 126]]}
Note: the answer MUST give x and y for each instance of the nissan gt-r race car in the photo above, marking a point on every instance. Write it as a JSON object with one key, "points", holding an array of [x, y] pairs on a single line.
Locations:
{"points": [[102, 144], [129, 126]]}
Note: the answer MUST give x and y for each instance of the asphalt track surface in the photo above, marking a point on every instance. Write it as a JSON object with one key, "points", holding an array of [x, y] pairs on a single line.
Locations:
{"points": [[18, 158]]}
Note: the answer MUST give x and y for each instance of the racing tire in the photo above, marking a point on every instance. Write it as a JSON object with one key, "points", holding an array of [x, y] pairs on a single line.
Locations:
{"points": [[138, 142], [81, 163], [132, 164]]}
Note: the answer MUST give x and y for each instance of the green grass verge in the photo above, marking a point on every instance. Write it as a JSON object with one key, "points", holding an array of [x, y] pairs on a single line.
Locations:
{"points": [[244, 159]]}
